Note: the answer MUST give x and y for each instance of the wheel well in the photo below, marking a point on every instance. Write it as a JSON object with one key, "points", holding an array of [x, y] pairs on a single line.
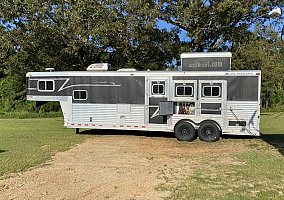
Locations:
{"points": [[187, 121]]}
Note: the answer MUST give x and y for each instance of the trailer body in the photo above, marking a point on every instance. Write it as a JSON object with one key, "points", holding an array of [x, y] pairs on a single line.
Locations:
{"points": [[153, 100]]}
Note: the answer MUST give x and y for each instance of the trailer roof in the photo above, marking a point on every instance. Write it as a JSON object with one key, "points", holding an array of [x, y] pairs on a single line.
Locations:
{"points": [[146, 73], [206, 55]]}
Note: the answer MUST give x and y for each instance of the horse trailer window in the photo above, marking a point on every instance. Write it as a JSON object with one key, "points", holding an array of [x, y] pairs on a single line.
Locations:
{"points": [[158, 89], [45, 86], [80, 95], [182, 90], [211, 91]]}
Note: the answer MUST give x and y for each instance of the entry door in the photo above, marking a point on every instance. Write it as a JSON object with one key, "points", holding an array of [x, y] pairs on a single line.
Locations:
{"points": [[212, 96], [158, 91]]}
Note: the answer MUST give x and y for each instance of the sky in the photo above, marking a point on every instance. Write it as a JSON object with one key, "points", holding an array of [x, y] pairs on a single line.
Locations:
{"points": [[162, 24]]}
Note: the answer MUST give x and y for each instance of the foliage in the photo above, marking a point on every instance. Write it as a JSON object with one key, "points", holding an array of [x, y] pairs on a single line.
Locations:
{"points": [[263, 51], [212, 25], [73, 34], [12, 92], [28, 115]]}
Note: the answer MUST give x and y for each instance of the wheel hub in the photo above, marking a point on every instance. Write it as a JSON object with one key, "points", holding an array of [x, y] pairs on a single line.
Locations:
{"points": [[184, 131], [208, 132]]}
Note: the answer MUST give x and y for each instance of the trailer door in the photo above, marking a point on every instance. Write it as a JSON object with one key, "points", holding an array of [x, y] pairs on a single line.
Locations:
{"points": [[212, 99], [157, 96]]}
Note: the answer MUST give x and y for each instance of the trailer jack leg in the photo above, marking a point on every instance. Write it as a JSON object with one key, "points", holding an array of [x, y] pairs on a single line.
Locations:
{"points": [[77, 130]]}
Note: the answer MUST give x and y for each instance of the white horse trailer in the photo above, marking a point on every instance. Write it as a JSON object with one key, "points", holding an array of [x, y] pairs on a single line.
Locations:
{"points": [[189, 103]]}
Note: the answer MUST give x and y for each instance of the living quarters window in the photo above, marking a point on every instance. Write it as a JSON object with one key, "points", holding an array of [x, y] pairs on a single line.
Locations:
{"points": [[184, 90], [158, 88], [80, 95], [45, 85], [211, 91]]}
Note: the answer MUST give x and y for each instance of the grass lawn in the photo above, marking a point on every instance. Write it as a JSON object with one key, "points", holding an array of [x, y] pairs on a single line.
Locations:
{"points": [[26, 143], [256, 173]]}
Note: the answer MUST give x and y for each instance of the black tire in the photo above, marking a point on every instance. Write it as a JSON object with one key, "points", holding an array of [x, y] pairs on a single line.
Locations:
{"points": [[209, 132], [184, 131]]}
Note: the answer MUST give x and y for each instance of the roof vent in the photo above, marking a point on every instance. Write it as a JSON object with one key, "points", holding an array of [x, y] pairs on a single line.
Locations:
{"points": [[98, 67], [50, 69]]}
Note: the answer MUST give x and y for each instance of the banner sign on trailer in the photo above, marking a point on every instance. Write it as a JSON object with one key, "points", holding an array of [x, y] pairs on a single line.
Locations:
{"points": [[213, 61]]}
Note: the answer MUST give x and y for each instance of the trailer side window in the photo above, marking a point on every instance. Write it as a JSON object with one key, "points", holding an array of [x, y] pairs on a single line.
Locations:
{"points": [[184, 90], [80, 95], [211, 91], [158, 89], [45, 86]]}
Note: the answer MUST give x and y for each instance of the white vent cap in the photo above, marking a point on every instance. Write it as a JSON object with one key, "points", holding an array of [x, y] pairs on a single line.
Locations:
{"points": [[98, 67]]}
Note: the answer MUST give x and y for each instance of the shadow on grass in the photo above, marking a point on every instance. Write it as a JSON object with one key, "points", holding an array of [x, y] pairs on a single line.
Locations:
{"points": [[3, 151], [128, 132], [276, 140]]}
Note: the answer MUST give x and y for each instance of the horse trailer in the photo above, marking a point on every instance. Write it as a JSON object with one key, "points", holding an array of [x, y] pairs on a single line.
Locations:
{"points": [[206, 104]]}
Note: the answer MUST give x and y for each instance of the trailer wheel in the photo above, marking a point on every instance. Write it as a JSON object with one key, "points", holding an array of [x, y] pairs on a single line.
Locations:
{"points": [[184, 131], [209, 132]]}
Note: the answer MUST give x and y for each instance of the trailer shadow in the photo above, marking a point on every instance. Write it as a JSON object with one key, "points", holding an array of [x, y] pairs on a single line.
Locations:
{"points": [[128, 133], [276, 140]]}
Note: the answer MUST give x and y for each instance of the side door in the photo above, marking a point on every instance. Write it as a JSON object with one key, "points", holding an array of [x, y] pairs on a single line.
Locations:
{"points": [[212, 98], [157, 92], [184, 97]]}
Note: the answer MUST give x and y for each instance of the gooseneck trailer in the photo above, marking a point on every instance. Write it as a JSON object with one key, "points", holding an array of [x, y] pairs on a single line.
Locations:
{"points": [[206, 104]]}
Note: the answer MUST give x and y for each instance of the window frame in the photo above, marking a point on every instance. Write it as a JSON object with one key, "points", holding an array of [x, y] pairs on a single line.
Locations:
{"points": [[184, 86], [211, 96], [45, 85], [158, 84], [73, 96]]}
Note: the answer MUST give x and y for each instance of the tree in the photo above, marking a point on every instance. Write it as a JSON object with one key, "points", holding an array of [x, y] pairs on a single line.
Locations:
{"points": [[263, 50], [213, 25], [70, 35]]}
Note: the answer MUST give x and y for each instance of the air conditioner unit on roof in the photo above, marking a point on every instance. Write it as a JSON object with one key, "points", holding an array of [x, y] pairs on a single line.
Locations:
{"points": [[98, 67]]}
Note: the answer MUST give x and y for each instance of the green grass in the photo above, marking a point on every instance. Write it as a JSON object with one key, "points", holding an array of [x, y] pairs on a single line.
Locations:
{"points": [[257, 173], [26, 143]]}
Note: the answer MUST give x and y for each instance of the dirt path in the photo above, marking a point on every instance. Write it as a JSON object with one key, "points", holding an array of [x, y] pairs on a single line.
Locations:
{"points": [[112, 167]]}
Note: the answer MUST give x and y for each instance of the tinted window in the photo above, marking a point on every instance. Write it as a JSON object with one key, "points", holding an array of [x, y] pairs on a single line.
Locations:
{"points": [[49, 85], [161, 89], [41, 85], [188, 91], [211, 91], [180, 91], [207, 91], [80, 95], [184, 91], [45, 86], [158, 89], [215, 91]]}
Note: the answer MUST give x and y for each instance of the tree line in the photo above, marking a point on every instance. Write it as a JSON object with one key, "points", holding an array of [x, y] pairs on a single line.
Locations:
{"points": [[70, 35]]}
